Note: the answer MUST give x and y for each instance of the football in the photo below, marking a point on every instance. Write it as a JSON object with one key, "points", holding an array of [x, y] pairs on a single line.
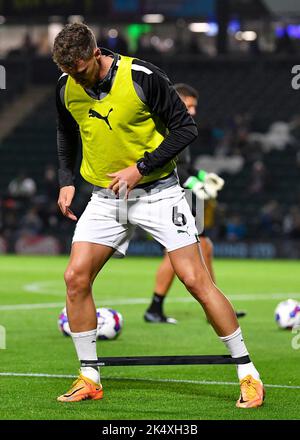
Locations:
{"points": [[110, 323], [287, 314], [63, 323]]}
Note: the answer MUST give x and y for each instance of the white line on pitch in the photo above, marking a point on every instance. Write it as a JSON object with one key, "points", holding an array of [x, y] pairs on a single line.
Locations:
{"points": [[32, 306], [50, 288], [133, 301], [135, 379]]}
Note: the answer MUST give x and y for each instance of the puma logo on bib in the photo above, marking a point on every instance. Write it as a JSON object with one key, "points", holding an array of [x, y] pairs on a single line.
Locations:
{"points": [[94, 114]]}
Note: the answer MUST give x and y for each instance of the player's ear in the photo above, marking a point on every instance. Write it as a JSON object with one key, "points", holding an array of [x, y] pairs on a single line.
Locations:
{"points": [[97, 52]]}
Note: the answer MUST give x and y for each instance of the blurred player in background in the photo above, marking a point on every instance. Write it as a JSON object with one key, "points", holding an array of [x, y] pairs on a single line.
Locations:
{"points": [[132, 125], [205, 186]]}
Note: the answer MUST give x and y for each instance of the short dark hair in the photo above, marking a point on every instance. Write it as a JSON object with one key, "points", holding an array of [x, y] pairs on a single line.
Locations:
{"points": [[186, 90], [73, 43]]}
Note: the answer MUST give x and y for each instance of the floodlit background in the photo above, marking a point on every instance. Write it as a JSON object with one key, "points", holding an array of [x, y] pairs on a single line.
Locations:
{"points": [[242, 57]]}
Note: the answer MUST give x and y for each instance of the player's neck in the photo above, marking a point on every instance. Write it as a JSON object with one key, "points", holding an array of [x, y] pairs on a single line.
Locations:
{"points": [[106, 63]]}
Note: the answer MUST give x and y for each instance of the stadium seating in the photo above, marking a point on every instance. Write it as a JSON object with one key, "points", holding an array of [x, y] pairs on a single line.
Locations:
{"points": [[260, 88], [31, 146]]}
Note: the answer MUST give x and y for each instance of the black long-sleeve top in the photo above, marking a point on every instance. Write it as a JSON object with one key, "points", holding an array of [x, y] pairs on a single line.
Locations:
{"points": [[155, 89]]}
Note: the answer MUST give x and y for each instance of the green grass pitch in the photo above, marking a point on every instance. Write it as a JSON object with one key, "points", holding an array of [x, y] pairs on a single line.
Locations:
{"points": [[32, 295]]}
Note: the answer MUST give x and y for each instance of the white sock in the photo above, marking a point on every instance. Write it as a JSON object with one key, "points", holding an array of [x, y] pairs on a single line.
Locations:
{"points": [[237, 348], [85, 345]]}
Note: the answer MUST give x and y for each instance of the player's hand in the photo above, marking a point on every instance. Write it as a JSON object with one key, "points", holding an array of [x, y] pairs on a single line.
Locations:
{"points": [[123, 181], [200, 192], [66, 195], [212, 184], [197, 187], [214, 180]]}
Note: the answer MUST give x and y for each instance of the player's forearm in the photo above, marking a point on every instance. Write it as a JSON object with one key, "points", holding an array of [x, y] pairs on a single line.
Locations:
{"points": [[183, 174], [173, 144], [67, 148]]}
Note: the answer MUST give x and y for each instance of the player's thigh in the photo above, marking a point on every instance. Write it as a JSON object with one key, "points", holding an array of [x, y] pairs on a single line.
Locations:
{"points": [[100, 224], [87, 259]]}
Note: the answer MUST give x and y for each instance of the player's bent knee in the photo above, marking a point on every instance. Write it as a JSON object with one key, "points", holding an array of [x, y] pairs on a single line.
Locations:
{"points": [[190, 281], [77, 283], [200, 287]]}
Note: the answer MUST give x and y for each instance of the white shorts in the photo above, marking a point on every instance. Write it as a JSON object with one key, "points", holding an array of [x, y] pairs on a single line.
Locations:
{"points": [[165, 215]]}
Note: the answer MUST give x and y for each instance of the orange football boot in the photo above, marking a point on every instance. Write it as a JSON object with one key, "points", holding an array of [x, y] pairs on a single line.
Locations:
{"points": [[252, 393], [82, 389]]}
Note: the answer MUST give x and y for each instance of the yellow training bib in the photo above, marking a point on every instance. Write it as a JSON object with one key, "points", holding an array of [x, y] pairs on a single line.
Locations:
{"points": [[117, 130]]}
